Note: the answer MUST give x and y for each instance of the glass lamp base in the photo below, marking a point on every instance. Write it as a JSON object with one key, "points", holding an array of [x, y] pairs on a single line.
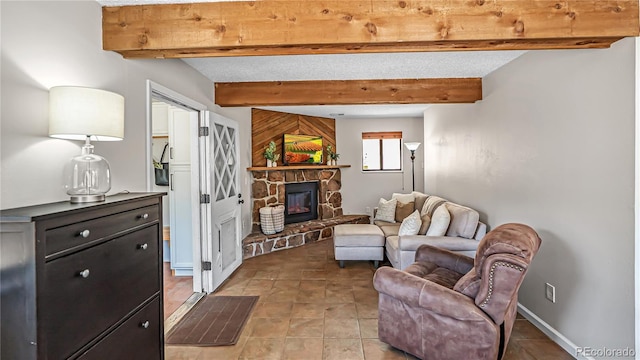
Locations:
{"points": [[78, 199], [88, 176]]}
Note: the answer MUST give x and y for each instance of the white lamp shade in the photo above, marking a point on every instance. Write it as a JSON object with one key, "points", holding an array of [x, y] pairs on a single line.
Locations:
{"points": [[78, 112], [412, 146]]}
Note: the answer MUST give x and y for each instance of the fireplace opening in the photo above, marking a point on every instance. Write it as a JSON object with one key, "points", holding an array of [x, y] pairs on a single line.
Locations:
{"points": [[300, 202]]}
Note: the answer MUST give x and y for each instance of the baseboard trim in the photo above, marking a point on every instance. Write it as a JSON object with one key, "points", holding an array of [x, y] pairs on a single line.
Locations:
{"points": [[552, 333]]}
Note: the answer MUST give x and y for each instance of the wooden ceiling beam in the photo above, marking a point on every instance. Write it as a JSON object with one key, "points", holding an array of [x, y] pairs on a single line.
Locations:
{"points": [[436, 46], [286, 27], [349, 92]]}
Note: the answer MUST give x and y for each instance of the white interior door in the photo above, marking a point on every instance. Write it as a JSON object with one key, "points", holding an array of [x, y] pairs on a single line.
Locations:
{"points": [[224, 180]]}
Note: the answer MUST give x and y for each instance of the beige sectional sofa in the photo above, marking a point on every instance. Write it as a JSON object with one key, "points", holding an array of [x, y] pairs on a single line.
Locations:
{"points": [[462, 235]]}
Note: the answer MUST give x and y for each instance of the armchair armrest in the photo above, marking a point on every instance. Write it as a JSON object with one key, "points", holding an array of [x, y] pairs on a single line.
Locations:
{"points": [[444, 258], [398, 284], [417, 292], [506, 273]]}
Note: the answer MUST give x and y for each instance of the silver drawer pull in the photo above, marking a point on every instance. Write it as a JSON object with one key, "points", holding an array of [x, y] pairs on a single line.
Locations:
{"points": [[145, 324], [144, 216], [85, 233], [143, 246], [84, 273]]}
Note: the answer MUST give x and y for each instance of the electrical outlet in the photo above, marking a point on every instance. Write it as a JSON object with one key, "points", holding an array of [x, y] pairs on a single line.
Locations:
{"points": [[367, 210], [550, 292]]}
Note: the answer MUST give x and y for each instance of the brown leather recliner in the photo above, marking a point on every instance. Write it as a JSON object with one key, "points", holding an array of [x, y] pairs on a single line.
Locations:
{"points": [[448, 306]]}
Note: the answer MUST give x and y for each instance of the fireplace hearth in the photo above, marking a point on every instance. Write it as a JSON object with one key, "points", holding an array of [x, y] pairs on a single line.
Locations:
{"points": [[300, 202]]}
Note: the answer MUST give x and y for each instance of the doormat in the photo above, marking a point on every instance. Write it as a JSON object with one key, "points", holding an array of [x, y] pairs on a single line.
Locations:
{"points": [[213, 321]]}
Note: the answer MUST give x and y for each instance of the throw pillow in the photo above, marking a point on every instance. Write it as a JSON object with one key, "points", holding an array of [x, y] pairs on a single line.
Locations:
{"points": [[431, 204], [420, 199], [403, 210], [439, 222], [403, 198], [411, 224], [426, 221], [386, 210]]}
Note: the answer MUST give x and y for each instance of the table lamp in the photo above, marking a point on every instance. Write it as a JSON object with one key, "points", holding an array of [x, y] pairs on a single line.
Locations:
{"points": [[80, 113]]}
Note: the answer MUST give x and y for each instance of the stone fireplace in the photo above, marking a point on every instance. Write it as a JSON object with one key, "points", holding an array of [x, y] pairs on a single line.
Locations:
{"points": [[269, 189]]}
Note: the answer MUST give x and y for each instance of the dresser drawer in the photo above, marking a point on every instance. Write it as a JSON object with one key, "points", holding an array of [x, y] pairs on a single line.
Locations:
{"points": [[88, 231], [90, 290], [137, 338]]}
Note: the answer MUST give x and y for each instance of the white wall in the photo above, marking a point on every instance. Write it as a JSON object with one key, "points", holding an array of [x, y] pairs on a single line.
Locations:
{"points": [[65, 48], [552, 145], [363, 189]]}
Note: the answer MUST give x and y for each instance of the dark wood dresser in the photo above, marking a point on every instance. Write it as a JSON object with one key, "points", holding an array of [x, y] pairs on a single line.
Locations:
{"points": [[82, 281]]}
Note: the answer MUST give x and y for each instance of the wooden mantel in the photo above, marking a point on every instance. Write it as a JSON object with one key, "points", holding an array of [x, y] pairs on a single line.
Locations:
{"points": [[244, 28], [297, 167]]}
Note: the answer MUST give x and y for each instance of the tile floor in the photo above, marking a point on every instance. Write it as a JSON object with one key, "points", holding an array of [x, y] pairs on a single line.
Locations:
{"points": [[309, 308], [177, 289]]}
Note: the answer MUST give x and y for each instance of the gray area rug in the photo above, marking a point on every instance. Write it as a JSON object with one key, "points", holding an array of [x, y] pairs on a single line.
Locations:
{"points": [[213, 321]]}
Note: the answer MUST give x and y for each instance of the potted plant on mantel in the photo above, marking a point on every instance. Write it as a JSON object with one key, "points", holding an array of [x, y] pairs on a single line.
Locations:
{"points": [[270, 155], [332, 156]]}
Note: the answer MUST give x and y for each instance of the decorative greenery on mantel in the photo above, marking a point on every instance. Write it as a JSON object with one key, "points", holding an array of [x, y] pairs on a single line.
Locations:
{"points": [[297, 167]]}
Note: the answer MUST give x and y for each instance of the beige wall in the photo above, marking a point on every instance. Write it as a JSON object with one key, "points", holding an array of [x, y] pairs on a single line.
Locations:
{"points": [[361, 190], [66, 49], [552, 145]]}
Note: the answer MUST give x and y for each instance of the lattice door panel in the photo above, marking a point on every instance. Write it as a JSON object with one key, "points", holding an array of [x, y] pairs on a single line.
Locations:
{"points": [[225, 172]]}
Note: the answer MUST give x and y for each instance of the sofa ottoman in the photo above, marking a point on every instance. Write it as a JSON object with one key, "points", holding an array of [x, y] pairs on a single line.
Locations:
{"points": [[358, 242]]}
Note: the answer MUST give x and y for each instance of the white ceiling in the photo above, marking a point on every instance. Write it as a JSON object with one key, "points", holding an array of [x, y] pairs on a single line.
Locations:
{"points": [[353, 67], [344, 67]]}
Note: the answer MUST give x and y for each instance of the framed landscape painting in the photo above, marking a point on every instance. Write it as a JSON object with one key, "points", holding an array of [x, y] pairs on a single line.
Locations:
{"points": [[302, 149]]}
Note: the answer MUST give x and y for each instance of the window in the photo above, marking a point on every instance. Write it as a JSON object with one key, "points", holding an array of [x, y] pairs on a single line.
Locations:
{"points": [[382, 151]]}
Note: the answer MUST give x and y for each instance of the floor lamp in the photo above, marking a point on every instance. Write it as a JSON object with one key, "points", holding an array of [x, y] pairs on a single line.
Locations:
{"points": [[413, 146]]}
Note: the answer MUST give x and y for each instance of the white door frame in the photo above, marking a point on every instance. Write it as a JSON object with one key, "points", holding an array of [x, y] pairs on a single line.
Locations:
{"points": [[196, 153]]}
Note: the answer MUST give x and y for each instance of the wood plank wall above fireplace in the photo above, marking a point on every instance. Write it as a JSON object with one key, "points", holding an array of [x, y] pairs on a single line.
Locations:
{"points": [[269, 126]]}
